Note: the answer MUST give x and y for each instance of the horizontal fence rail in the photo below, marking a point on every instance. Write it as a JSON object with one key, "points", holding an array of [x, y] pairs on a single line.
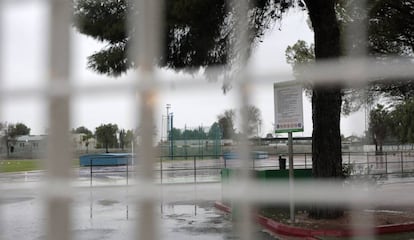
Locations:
{"points": [[208, 168]]}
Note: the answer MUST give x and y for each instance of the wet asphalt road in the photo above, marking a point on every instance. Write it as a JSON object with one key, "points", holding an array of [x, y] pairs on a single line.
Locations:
{"points": [[97, 215]]}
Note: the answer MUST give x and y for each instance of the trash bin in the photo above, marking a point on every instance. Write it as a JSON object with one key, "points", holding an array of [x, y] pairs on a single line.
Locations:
{"points": [[282, 163]]}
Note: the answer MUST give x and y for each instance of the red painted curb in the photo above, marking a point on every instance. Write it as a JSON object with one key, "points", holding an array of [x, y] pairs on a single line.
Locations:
{"points": [[287, 230], [222, 207]]}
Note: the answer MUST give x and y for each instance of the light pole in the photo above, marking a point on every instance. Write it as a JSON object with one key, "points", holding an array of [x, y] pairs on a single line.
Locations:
{"points": [[168, 128], [172, 136]]}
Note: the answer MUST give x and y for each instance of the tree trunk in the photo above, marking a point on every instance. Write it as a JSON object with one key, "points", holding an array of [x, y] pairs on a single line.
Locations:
{"points": [[7, 147], [380, 147], [326, 104]]}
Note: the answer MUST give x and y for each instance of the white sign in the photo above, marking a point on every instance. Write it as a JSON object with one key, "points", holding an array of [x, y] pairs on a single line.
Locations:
{"points": [[288, 108]]}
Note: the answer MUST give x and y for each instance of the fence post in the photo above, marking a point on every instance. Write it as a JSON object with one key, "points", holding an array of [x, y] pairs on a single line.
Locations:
{"points": [[161, 169], [90, 165], [127, 170], [402, 163], [195, 170], [386, 163], [349, 158], [305, 160], [368, 162]]}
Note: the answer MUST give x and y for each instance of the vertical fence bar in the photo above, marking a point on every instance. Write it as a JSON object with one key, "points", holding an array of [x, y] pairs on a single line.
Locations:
{"points": [[127, 170], [58, 162], [305, 161], [195, 170], [356, 32], [4, 193], [386, 163], [349, 158], [239, 51], [161, 170], [402, 163], [90, 171], [291, 178], [145, 18]]}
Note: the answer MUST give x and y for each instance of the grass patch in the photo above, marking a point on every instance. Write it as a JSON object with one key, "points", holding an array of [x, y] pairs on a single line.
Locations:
{"points": [[23, 165], [19, 165]]}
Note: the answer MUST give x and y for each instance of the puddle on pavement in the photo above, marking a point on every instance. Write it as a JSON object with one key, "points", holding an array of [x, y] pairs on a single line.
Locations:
{"points": [[200, 221], [99, 215], [114, 219]]}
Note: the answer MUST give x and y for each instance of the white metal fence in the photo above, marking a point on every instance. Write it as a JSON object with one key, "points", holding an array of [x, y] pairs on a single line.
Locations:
{"points": [[57, 190]]}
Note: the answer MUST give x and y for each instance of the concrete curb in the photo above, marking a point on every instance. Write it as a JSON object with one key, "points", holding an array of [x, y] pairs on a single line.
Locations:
{"points": [[283, 229]]}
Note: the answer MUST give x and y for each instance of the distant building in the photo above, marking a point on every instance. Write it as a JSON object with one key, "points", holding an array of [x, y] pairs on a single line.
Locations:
{"points": [[34, 146], [81, 143], [3, 147], [27, 146]]}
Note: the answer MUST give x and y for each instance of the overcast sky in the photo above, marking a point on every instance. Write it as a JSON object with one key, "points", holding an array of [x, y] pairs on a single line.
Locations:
{"points": [[24, 59]]}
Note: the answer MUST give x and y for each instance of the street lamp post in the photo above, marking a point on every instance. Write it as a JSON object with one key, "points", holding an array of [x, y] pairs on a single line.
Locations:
{"points": [[172, 135], [168, 129]]}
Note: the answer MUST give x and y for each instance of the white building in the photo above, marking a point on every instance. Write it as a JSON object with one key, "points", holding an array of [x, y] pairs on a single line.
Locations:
{"points": [[27, 146]]}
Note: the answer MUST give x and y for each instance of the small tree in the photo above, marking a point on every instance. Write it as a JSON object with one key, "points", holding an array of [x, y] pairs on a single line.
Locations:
{"points": [[226, 123], [254, 120], [402, 121], [378, 126], [122, 136], [129, 138], [85, 140], [214, 132], [87, 135], [175, 134], [106, 135]]}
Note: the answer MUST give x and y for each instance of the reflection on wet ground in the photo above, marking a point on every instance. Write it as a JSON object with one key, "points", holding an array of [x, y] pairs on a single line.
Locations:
{"points": [[200, 221], [108, 219], [99, 214]]}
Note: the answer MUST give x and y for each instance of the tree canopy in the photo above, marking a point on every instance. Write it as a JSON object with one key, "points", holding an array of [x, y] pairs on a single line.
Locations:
{"points": [[215, 131], [18, 129], [302, 53], [379, 126], [391, 27], [11, 131], [254, 120], [106, 135], [82, 129], [196, 33], [189, 134], [390, 33], [226, 124], [402, 121]]}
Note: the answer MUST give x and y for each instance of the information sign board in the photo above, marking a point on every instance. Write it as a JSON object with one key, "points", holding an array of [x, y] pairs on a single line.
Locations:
{"points": [[288, 107]]}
